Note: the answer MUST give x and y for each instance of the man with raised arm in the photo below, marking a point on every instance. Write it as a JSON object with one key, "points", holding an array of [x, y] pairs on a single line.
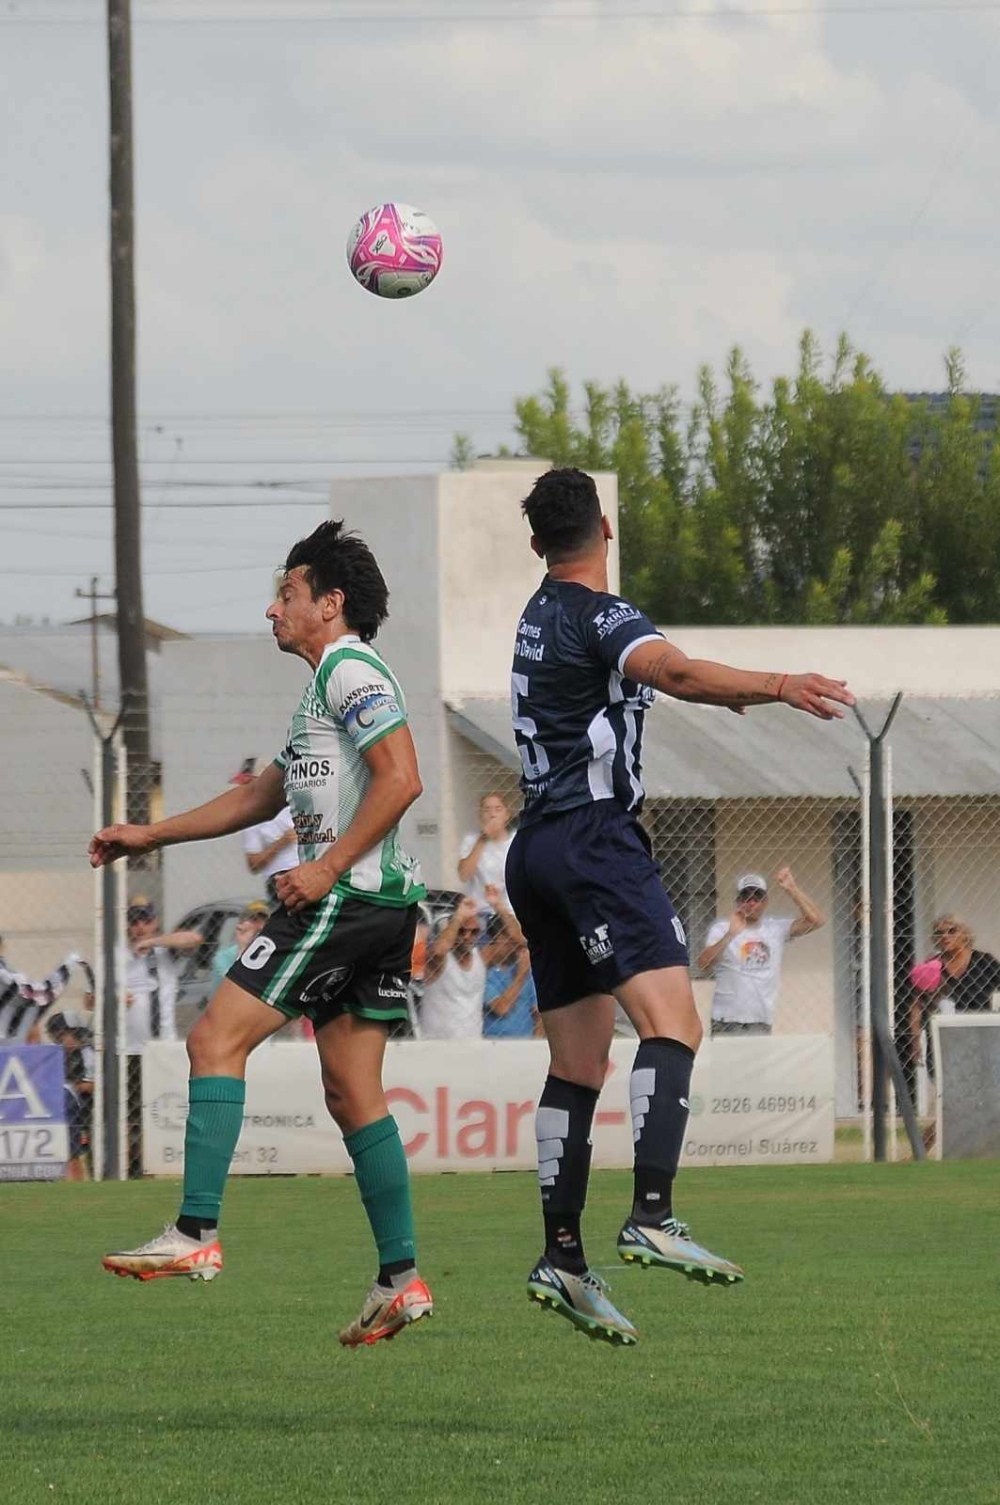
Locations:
{"points": [[337, 950], [587, 893]]}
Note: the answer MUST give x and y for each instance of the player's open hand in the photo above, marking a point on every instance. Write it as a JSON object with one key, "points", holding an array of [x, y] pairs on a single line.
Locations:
{"points": [[303, 885], [120, 841], [816, 695]]}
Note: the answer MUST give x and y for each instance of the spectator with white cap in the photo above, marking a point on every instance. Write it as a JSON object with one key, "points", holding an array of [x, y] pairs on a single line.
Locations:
{"points": [[745, 953]]}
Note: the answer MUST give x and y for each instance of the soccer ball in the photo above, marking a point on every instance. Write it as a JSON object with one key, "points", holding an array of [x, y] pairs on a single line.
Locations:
{"points": [[394, 251]]}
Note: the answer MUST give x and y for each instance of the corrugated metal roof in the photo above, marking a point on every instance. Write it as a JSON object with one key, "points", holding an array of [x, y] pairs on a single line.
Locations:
{"points": [[941, 748]]}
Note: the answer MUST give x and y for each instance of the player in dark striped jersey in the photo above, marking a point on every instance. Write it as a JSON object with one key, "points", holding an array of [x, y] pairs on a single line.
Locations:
{"points": [[587, 893]]}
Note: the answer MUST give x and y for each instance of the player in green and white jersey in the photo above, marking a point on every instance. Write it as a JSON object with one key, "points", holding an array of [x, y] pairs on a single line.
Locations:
{"points": [[337, 950]]}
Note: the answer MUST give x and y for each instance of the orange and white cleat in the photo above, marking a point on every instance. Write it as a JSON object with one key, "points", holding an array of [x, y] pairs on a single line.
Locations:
{"points": [[387, 1311], [171, 1253]]}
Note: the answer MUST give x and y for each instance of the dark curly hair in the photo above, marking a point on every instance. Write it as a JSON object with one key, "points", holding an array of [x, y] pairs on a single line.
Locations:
{"points": [[334, 559], [564, 511]]}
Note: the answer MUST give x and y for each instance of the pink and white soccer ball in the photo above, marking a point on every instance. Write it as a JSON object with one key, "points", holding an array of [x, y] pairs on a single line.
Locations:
{"points": [[394, 251]]}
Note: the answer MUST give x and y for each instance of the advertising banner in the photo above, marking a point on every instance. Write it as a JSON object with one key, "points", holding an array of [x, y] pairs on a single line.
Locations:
{"points": [[34, 1138], [469, 1105]]}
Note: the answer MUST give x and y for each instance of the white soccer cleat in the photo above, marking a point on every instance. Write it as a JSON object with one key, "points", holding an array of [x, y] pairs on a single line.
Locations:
{"points": [[170, 1253], [387, 1311]]}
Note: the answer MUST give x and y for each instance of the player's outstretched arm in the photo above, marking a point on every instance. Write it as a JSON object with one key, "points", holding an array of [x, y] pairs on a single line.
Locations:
{"points": [[246, 805], [666, 668], [393, 787]]}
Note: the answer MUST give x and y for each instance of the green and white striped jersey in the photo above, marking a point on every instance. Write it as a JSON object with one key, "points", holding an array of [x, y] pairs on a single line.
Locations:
{"points": [[352, 702]]}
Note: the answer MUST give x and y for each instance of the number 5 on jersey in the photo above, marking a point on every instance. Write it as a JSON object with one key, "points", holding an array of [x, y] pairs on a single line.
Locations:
{"points": [[534, 758]]}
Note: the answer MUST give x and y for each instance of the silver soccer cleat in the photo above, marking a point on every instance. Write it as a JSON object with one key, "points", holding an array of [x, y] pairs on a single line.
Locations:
{"points": [[672, 1247], [583, 1299]]}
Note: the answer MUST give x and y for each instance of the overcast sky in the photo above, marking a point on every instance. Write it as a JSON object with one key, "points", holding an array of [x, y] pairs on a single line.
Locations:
{"points": [[624, 197]]}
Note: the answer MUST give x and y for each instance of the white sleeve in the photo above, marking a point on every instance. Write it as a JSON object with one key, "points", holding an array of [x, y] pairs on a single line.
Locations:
{"points": [[783, 927], [716, 931], [252, 839], [364, 699], [465, 850]]}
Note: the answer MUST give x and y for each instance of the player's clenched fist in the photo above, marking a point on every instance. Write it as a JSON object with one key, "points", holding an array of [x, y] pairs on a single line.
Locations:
{"points": [[303, 885], [120, 841]]}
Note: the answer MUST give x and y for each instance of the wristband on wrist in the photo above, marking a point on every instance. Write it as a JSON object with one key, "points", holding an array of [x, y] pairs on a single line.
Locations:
{"points": [[781, 686]]}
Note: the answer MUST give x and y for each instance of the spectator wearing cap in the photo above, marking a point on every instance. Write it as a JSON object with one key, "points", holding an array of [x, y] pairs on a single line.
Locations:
{"points": [[248, 927], [151, 978], [151, 975], [270, 847], [74, 1035], [510, 1004], [745, 953]]}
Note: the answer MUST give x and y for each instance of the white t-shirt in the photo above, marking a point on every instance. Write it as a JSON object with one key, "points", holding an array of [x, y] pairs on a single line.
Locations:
{"points": [[452, 1006], [748, 973], [489, 869], [259, 838], [157, 971]]}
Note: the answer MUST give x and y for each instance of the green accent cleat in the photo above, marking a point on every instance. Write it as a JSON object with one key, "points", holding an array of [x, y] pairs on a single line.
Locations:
{"points": [[671, 1247], [583, 1299]]}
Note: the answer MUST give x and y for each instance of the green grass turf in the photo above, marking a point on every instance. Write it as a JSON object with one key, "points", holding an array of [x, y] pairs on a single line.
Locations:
{"points": [[860, 1362]]}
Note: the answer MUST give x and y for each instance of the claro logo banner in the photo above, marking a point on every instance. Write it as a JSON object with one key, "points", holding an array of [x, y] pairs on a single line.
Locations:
{"points": [[469, 1105]]}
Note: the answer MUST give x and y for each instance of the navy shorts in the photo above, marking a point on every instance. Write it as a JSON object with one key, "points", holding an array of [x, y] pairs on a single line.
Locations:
{"points": [[588, 896]]}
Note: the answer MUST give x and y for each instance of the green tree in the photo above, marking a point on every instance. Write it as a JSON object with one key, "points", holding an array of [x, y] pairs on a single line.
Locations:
{"points": [[827, 499]]}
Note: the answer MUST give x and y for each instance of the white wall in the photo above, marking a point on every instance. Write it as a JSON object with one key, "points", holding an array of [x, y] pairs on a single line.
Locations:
{"points": [[224, 699], [399, 518], [47, 819], [875, 661], [454, 549]]}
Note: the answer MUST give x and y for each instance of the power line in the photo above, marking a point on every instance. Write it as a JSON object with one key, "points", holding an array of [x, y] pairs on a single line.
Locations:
{"points": [[187, 15]]}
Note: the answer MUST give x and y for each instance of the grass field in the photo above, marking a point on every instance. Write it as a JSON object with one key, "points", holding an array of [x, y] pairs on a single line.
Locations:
{"points": [[860, 1362]]}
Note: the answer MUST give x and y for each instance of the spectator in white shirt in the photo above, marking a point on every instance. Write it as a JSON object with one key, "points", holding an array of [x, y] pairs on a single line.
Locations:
{"points": [[455, 979], [745, 953], [270, 847], [483, 855], [151, 975]]}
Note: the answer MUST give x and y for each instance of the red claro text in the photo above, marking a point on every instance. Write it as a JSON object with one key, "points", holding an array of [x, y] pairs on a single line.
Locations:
{"points": [[442, 1124]]}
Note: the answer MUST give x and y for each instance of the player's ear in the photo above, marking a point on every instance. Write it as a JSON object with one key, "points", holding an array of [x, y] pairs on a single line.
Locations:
{"points": [[333, 605], [606, 528], [537, 548]]}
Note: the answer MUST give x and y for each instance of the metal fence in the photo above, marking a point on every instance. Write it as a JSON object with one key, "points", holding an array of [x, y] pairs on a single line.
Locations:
{"points": [[861, 884]]}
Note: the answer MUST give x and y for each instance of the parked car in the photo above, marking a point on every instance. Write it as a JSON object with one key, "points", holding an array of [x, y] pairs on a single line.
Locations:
{"points": [[216, 920]]}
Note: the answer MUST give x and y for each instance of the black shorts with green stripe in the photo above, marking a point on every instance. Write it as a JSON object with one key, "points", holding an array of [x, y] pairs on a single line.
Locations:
{"points": [[341, 956]]}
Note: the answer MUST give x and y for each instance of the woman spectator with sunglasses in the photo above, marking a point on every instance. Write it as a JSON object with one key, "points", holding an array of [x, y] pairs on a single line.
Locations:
{"points": [[957, 979], [745, 953]]}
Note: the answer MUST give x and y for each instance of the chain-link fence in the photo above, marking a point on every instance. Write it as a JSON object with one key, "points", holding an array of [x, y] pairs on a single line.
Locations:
{"points": [[768, 859]]}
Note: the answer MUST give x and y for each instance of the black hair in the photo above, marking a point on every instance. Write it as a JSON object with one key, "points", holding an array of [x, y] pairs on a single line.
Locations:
{"points": [[333, 559], [564, 511]]}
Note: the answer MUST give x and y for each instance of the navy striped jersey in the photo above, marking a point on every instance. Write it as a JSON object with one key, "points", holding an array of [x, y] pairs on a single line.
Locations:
{"points": [[577, 719]]}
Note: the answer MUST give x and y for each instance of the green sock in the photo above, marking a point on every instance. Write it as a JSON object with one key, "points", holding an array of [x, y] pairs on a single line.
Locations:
{"points": [[215, 1118], [384, 1183]]}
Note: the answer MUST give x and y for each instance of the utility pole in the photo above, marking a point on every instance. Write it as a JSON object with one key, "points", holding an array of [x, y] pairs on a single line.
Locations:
{"points": [[93, 596], [128, 553]]}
